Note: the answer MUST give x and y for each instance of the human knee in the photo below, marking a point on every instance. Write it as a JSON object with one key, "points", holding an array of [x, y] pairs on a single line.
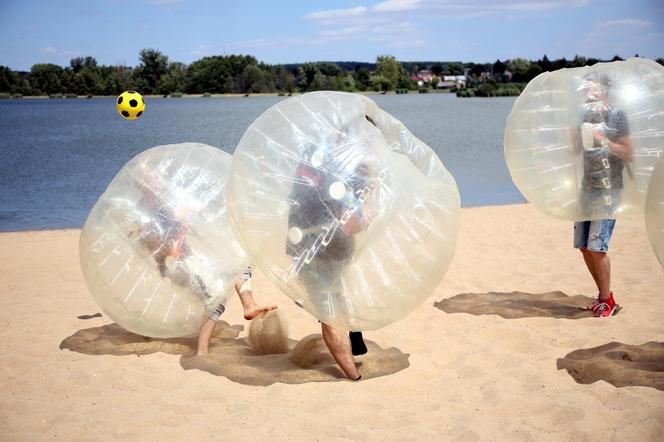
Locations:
{"points": [[596, 254]]}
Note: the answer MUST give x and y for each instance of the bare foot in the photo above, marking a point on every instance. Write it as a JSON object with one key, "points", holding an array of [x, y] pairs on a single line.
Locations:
{"points": [[251, 311]]}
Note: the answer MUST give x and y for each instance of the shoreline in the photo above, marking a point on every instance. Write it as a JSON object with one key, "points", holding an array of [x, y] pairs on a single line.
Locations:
{"points": [[67, 228], [262, 94]]}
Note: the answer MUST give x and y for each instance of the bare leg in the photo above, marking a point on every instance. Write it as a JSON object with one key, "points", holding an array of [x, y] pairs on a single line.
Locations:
{"points": [[339, 346], [587, 257], [251, 309], [204, 336], [602, 266]]}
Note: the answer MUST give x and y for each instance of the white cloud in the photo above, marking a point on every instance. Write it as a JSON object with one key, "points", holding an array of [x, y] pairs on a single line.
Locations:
{"points": [[627, 22], [51, 50], [397, 5], [48, 50], [258, 43], [395, 9], [393, 23], [343, 32], [623, 37], [536, 5], [204, 50], [391, 34], [332, 14], [486, 7]]}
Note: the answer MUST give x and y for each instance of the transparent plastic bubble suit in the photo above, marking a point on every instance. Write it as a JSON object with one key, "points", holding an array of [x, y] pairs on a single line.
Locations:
{"points": [[351, 216], [157, 251], [581, 143], [655, 211]]}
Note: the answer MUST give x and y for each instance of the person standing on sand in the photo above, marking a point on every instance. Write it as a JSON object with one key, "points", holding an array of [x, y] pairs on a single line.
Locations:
{"points": [[607, 149]]}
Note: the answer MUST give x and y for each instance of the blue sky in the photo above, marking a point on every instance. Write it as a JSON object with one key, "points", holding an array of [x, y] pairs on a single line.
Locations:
{"points": [[114, 31]]}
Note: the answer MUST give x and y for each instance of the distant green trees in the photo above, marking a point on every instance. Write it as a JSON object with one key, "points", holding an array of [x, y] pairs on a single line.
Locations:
{"points": [[13, 83], [244, 74], [48, 79], [509, 77], [390, 74], [524, 70], [149, 73]]}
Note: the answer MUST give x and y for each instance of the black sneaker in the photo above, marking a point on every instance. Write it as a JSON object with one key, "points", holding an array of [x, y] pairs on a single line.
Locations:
{"points": [[357, 343]]}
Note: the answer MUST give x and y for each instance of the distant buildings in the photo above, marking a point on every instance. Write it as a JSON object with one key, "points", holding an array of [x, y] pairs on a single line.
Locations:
{"points": [[425, 76], [422, 76]]}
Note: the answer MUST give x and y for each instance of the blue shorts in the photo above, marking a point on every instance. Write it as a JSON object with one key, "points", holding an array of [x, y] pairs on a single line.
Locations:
{"points": [[593, 235]]}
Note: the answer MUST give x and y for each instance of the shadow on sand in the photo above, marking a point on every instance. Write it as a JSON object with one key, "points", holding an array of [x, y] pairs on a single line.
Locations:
{"points": [[306, 361], [618, 364], [518, 305]]}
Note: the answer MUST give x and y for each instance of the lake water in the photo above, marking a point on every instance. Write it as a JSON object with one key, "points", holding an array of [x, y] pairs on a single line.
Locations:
{"points": [[58, 156]]}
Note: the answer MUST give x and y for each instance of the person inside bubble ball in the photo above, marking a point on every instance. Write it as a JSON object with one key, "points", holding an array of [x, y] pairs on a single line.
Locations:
{"points": [[164, 236], [604, 141], [331, 190], [162, 230]]}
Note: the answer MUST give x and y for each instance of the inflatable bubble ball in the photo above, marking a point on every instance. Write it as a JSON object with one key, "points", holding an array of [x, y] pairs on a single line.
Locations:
{"points": [[352, 216], [655, 211], [157, 251], [581, 143]]}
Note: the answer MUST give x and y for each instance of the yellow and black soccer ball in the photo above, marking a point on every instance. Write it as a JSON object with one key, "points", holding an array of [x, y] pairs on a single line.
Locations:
{"points": [[130, 105]]}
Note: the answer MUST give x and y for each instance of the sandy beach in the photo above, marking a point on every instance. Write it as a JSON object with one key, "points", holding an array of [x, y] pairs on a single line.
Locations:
{"points": [[499, 351]]}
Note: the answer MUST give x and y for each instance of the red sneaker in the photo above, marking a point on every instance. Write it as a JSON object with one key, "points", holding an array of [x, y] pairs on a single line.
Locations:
{"points": [[594, 305], [605, 308]]}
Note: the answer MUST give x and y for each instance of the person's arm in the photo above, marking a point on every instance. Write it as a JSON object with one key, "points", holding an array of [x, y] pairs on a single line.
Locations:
{"points": [[618, 138], [622, 147]]}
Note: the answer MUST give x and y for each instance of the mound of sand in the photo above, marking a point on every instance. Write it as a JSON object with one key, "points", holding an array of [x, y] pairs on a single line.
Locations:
{"points": [[268, 334], [618, 364]]}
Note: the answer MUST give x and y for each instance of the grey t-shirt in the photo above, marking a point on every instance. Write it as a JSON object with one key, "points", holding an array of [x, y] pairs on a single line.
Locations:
{"points": [[602, 169]]}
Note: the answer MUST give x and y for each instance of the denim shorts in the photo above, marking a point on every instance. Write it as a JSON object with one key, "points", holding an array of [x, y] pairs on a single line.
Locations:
{"points": [[593, 235]]}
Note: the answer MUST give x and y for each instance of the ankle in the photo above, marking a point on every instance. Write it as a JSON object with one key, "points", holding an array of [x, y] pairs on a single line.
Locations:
{"points": [[249, 306], [606, 297]]}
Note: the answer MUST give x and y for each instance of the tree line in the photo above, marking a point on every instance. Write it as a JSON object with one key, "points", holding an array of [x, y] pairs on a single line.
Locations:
{"points": [[244, 74]]}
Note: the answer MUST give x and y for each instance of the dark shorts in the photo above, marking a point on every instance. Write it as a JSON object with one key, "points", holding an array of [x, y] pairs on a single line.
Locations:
{"points": [[322, 281], [593, 235]]}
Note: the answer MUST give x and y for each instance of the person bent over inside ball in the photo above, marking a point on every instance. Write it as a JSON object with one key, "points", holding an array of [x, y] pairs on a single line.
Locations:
{"points": [[330, 192]]}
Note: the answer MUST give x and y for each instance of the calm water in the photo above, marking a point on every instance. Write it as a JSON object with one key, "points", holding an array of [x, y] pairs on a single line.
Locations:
{"points": [[58, 156]]}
